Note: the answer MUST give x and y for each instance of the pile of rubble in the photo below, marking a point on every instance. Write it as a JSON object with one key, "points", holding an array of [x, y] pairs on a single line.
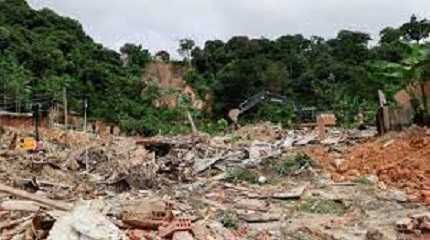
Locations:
{"points": [[401, 160], [255, 183]]}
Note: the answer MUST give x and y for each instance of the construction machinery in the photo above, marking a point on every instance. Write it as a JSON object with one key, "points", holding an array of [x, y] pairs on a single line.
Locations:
{"points": [[308, 116], [32, 143], [305, 114]]}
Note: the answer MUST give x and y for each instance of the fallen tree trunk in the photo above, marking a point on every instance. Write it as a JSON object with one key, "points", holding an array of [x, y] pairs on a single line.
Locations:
{"points": [[33, 197]]}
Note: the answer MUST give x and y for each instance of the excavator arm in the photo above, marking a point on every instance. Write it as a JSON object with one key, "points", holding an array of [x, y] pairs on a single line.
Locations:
{"points": [[305, 114], [254, 101]]}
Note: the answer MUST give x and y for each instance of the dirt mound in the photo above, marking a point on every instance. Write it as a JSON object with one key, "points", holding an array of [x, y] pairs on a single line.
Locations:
{"points": [[401, 160]]}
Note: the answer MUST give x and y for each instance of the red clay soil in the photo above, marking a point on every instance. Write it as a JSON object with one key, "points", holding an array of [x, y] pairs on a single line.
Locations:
{"points": [[400, 160]]}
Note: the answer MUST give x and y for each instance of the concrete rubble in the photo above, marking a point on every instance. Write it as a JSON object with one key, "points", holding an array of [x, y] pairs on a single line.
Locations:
{"points": [[84, 223], [259, 182]]}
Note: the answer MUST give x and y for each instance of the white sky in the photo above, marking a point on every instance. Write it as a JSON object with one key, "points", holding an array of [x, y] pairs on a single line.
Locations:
{"points": [[159, 24]]}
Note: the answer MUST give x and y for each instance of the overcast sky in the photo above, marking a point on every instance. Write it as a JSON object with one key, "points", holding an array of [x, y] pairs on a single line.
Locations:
{"points": [[159, 24]]}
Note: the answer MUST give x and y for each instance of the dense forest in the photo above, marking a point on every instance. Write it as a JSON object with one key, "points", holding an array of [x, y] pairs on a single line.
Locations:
{"points": [[42, 54], [341, 74]]}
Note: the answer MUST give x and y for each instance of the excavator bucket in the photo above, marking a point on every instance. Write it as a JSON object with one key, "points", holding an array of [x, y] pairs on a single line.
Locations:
{"points": [[234, 115]]}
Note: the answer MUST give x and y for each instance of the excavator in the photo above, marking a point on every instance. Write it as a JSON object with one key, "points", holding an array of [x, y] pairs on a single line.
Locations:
{"points": [[31, 143], [308, 116]]}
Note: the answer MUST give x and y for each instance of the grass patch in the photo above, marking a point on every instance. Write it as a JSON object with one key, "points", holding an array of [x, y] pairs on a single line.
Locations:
{"points": [[363, 181], [302, 236], [229, 220], [292, 164], [237, 175], [235, 138], [323, 206]]}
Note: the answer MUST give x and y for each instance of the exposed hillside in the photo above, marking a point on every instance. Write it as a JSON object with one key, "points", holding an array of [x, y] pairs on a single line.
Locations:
{"points": [[170, 79]]}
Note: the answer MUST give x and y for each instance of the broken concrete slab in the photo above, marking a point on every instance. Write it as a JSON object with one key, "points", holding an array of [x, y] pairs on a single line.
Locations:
{"points": [[395, 195], [294, 193], [17, 205], [84, 223], [251, 204], [219, 230], [201, 165], [258, 217], [287, 143], [182, 235], [259, 150], [332, 140], [307, 139]]}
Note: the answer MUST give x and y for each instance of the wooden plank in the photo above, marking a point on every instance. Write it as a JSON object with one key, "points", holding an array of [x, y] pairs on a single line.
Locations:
{"points": [[33, 197]]}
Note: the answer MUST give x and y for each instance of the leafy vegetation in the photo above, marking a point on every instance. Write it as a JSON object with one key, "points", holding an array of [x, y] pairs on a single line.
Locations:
{"points": [[341, 74], [301, 236], [237, 175], [322, 206], [292, 164], [42, 53], [213, 128], [229, 220], [363, 180]]}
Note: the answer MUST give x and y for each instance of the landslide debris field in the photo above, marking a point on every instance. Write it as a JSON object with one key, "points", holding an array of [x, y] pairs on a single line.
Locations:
{"points": [[260, 182]]}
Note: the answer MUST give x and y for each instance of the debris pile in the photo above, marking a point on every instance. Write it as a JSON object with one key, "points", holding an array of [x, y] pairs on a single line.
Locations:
{"points": [[400, 160], [255, 183], [414, 223]]}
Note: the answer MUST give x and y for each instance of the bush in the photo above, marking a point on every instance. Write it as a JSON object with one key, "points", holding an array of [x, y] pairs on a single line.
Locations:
{"points": [[229, 220], [133, 126], [363, 180], [156, 121], [276, 113], [214, 127], [199, 83], [293, 164], [237, 175], [323, 206]]}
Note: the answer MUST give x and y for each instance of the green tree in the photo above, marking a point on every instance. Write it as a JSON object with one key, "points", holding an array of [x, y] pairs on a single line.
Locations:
{"points": [[416, 29], [412, 69], [186, 45], [4, 38], [163, 55], [275, 78], [135, 55], [390, 35], [350, 46], [14, 83]]}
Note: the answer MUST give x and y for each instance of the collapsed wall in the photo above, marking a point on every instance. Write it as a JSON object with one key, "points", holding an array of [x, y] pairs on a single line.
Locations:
{"points": [[20, 120], [409, 101]]}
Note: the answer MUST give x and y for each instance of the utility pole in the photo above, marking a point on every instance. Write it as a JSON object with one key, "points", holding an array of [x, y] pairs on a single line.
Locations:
{"points": [[193, 126], [85, 112], [65, 106], [36, 115]]}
